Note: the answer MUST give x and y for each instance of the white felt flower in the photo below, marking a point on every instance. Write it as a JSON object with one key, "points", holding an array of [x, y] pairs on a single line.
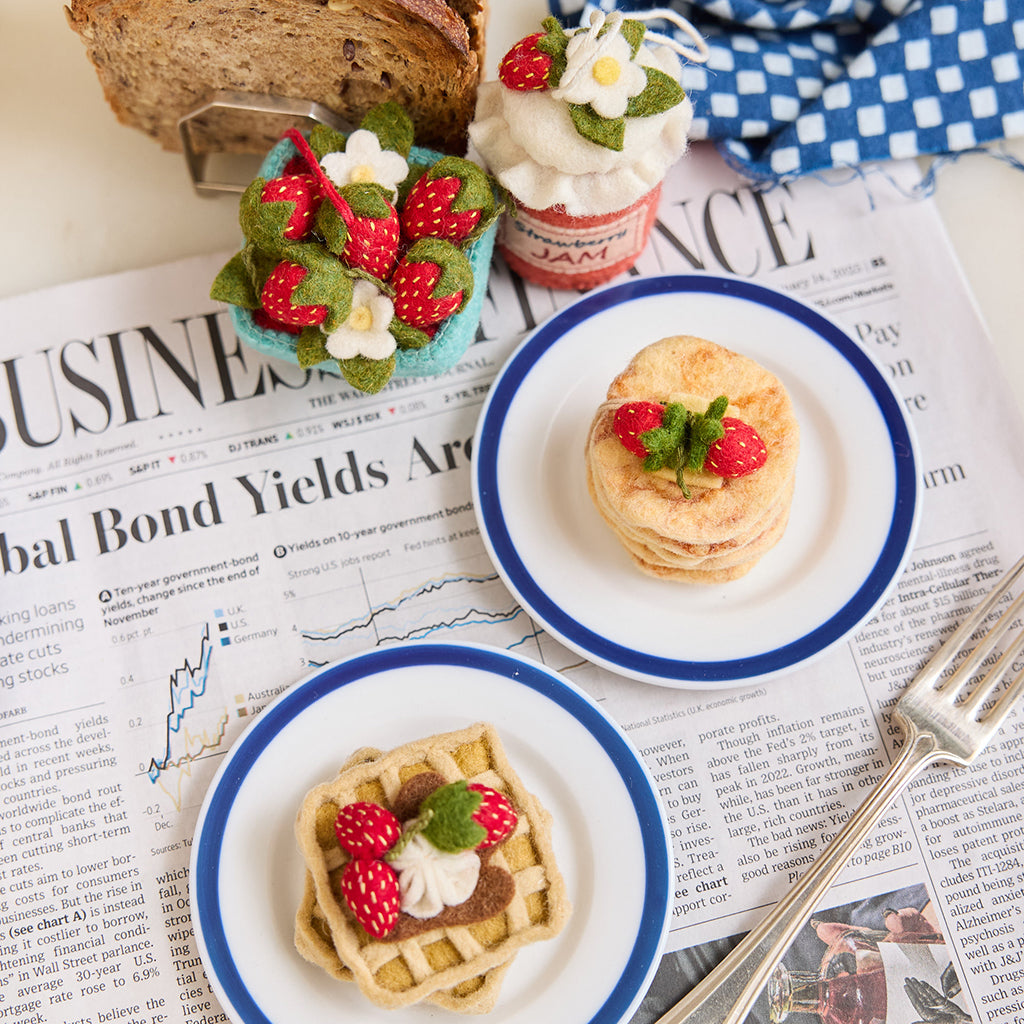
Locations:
{"points": [[600, 70], [430, 880], [365, 332], [364, 161]]}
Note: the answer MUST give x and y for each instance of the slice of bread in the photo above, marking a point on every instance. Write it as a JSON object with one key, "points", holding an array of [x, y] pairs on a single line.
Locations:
{"points": [[158, 60]]}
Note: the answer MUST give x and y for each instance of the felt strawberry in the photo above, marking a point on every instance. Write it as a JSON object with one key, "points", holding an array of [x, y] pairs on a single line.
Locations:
{"points": [[525, 67], [303, 191], [448, 201], [495, 815], [361, 227], [366, 830], [370, 888], [738, 451], [459, 816], [373, 241], [672, 436], [263, 319], [633, 419], [432, 280], [277, 297]]}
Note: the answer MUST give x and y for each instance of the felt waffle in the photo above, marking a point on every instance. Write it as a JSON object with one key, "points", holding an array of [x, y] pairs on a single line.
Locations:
{"points": [[454, 964]]}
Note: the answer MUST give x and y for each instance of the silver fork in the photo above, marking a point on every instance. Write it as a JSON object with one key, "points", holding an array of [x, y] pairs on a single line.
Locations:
{"points": [[943, 719]]}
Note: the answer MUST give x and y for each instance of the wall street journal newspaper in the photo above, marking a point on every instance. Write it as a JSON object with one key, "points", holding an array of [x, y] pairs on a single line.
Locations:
{"points": [[188, 528]]}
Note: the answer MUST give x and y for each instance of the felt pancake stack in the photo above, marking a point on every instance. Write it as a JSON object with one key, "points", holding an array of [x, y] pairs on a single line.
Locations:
{"points": [[427, 869], [691, 460]]}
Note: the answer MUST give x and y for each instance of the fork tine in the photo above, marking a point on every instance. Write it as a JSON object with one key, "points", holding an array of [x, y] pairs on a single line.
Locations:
{"points": [[986, 686], [943, 657], [985, 646]]}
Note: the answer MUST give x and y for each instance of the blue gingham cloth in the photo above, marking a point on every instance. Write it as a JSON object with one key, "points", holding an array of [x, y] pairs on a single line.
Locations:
{"points": [[796, 86]]}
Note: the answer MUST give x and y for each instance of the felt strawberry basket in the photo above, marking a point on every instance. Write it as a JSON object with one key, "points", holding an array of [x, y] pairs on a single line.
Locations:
{"points": [[461, 207]]}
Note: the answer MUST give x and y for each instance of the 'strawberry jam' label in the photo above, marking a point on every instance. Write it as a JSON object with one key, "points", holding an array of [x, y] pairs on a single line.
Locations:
{"points": [[566, 246]]}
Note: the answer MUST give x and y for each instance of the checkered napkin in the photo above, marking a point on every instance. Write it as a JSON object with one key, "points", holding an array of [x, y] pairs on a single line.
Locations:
{"points": [[795, 86]]}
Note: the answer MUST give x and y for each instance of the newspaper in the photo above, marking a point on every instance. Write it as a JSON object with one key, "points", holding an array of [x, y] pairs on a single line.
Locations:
{"points": [[187, 528]]}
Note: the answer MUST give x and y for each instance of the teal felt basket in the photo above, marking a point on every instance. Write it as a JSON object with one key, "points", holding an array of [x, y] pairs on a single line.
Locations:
{"points": [[453, 336]]}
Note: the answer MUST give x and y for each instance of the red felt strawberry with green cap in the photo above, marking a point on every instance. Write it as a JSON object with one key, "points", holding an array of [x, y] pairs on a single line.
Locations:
{"points": [[370, 888], [495, 815], [636, 418], [449, 201], [525, 67], [459, 816], [433, 280], [278, 297], [677, 438], [303, 192]]}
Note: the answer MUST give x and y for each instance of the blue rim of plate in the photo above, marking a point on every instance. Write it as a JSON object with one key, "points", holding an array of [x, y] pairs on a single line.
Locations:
{"points": [[638, 664], [243, 755]]}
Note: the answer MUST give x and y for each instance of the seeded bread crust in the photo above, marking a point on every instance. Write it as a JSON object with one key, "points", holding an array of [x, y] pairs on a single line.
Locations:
{"points": [[158, 60]]}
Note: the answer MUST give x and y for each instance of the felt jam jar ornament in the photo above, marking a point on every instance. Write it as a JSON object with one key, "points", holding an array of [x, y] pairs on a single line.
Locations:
{"points": [[580, 129]]}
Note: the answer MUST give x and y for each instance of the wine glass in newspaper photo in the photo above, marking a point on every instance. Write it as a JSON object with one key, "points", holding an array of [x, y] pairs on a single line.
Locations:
{"points": [[883, 960]]}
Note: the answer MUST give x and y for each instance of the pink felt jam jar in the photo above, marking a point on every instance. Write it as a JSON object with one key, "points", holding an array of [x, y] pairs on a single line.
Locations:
{"points": [[580, 129], [552, 248]]}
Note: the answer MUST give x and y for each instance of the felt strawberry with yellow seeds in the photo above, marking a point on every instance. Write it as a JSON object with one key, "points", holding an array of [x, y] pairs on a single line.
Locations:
{"points": [[636, 418], [317, 292], [673, 437], [430, 862], [495, 815], [362, 228], [452, 200], [525, 67], [279, 301], [433, 280], [370, 888], [302, 191], [738, 451], [366, 830]]}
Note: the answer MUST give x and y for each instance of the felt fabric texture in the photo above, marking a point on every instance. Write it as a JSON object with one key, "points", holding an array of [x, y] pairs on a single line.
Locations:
{"points": [[436, 352], [798, 87]]}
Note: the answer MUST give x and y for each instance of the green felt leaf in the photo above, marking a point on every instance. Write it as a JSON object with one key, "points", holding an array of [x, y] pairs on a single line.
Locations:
{"points": [[407, 336], [262, 223], [234, 284], [661, 93], [332, 227], [311, 347], [451, 827], [368, 199], [259, 265], [605, 131], [553, 43], [392, 125], [705, 429], [324, 140], [633, 32], [367, 375]]}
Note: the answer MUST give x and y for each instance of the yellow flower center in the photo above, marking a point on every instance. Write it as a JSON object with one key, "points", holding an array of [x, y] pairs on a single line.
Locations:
{"points": [[360, 319], [606, 70], [361, 172]]}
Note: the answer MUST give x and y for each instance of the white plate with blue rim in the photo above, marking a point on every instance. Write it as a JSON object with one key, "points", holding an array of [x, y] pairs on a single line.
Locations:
{"points": [[852, 523], [609, 834]]}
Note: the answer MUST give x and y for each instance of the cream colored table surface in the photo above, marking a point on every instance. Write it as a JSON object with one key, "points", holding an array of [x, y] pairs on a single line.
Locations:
{"points": [[83, 196]]}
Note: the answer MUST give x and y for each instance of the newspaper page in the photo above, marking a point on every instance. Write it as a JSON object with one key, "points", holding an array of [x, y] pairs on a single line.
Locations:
{"points": [[188, 528]]}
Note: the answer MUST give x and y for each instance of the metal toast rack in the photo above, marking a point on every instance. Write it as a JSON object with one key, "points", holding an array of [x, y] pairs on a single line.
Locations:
{"points": [[216, 170]]}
